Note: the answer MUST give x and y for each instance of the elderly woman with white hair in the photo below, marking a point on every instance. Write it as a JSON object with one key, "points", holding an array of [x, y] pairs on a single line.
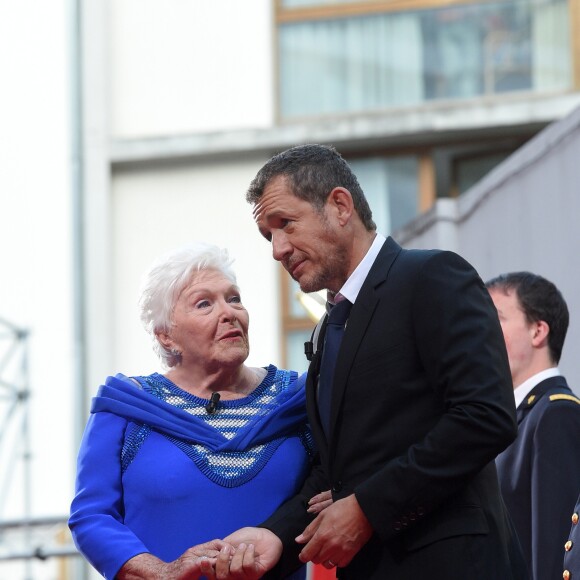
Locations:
{"points": [[171, 460]]}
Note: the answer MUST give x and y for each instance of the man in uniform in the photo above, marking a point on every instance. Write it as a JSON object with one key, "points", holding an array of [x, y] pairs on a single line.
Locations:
{"points": [[538, 478]]}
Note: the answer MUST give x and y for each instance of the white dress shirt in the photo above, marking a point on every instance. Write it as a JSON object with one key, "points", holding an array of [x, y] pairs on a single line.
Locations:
{"points": [[352, 286], [523, 390]]}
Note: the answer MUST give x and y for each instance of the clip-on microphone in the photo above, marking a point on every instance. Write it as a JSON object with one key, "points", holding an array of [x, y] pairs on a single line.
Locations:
{"points": [[213, 403]]}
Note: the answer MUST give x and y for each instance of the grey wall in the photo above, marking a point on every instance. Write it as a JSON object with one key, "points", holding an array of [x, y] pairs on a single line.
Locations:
{"points": [[524, 215]]}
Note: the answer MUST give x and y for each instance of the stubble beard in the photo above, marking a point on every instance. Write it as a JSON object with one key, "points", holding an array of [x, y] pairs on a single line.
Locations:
{"points": [[333, 268]]}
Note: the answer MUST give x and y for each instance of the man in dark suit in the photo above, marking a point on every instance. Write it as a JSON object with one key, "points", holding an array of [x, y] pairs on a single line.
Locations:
{"points": [[420, 404], [539, 472]]}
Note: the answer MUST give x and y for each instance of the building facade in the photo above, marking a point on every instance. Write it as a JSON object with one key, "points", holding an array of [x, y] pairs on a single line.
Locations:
{"points": [[167, 108], [422, 97]]}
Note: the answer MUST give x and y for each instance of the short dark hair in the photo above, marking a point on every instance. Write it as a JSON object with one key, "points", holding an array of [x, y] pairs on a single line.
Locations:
{"points": [[540, 299], [313, 171]]}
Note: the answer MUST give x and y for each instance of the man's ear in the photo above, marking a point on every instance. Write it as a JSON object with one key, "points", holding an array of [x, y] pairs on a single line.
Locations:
{"points": [[540, 332], [341, 203]]}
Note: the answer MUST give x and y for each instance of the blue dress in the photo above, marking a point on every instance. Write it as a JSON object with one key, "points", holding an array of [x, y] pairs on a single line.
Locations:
{"points": [[156, 473]]}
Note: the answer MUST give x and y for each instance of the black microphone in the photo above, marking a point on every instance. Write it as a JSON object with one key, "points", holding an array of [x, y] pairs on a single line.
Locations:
{"points": [[308, 350], [213, 403]]}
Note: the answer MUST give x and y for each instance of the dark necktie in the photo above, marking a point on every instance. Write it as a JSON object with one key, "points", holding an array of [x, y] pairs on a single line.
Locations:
{"points": [[334, 331]]}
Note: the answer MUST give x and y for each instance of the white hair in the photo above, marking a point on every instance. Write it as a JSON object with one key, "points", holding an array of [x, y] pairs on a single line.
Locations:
{"points": [[167, 278]]}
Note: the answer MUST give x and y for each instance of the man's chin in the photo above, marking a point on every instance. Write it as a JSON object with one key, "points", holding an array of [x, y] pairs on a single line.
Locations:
{"points": [[306, 283], [308, 286]]}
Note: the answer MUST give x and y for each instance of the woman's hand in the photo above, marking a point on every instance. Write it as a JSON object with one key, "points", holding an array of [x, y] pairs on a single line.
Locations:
{"points": [[195, 562], [319, 502], [256, 551]]}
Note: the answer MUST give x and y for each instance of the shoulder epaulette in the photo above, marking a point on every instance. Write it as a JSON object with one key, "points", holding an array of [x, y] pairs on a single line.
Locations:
{"points": [[564, 398]]}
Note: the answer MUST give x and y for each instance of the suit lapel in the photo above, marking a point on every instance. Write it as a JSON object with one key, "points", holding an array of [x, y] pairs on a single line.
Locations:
{"points": [[312, 409], [358, 322]]}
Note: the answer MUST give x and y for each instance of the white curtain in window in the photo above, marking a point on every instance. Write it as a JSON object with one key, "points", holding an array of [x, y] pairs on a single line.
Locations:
{"points": [[552, 66], [349, 65]]}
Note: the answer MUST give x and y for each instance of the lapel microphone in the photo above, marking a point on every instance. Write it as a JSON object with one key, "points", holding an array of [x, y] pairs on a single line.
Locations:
{"points": [[213, 403]]}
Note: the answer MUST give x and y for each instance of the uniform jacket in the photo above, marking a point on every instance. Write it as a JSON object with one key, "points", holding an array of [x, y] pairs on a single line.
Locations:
{"points": [[421, 405], [572, 546], [540, 474]]}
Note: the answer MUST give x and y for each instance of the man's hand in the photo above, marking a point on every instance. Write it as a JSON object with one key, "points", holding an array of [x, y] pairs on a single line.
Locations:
{"points": [[192, 564], [256, 550], [319, 502], [336, 535]]}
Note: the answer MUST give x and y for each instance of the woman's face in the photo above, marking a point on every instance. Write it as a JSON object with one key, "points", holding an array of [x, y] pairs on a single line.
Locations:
{"points": [[210, 325]]}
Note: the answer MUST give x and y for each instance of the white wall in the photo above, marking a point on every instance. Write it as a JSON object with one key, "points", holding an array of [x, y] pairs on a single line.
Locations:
{"points": [[35, 246], [184, 66], [35, 225]]}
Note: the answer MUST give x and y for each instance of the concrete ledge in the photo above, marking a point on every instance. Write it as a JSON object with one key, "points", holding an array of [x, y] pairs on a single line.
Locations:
{"points": [[393, 128]]}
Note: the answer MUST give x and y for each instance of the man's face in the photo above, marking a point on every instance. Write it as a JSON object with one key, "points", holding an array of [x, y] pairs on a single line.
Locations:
{"points": [[517, 332], [304, 240]]}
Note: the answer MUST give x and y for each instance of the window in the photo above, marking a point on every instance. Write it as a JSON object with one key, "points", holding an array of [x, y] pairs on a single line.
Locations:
{"points": [[469, 170], [339, 57], [391, 188]]}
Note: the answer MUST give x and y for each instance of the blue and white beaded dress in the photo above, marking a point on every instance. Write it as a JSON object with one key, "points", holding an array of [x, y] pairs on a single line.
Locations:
{"points": [[157, 473]]}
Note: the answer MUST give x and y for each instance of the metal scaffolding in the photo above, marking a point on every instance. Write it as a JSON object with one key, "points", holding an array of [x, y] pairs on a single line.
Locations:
{"points": [[22, 538], [14, 396]]}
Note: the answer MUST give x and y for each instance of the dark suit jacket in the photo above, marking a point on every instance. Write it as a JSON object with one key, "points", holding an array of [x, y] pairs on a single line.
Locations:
{"points": [[540, 474], [572, 550], [421, 405]]}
